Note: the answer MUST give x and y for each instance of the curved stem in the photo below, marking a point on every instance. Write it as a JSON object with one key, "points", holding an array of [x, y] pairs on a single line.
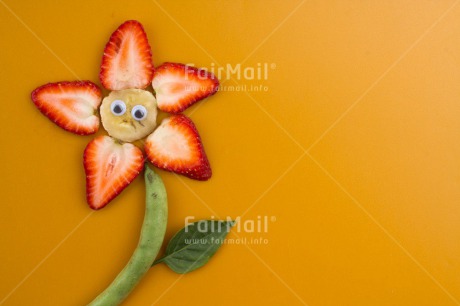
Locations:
{"points": [[150, 241]]}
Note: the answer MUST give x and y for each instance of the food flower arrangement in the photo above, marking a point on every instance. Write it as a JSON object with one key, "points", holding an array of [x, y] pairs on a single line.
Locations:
{"points": [[112, 162]]}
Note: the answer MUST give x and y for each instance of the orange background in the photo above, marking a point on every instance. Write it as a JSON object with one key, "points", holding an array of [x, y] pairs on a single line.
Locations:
{"points": [[353, 150]]}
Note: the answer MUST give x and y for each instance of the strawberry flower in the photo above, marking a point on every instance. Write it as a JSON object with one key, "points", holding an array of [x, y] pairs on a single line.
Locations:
{"points": [[129, 114]]}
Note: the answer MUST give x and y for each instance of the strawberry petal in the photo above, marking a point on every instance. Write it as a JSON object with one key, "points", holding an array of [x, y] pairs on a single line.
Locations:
{"points": [[70, 105], [178, 86], [110, 167], [176, 146], [127, 59]]}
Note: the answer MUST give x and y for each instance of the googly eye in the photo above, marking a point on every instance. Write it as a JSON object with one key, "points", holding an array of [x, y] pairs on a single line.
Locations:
{"points": [[118, 107], [139, 112]]}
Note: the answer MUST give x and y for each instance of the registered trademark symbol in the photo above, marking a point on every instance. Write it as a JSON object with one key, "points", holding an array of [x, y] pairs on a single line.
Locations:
{"points": [[272, 65], [273, 218]]}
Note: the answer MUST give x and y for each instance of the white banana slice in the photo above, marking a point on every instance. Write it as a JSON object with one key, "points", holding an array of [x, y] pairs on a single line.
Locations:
{"points": [[129, 114]]}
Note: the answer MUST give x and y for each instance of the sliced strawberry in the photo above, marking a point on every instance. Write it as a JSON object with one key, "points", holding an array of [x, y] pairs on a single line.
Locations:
{"points": [[178, 86], [110, 166], [71, 105], [127, 59], [176, 146]]}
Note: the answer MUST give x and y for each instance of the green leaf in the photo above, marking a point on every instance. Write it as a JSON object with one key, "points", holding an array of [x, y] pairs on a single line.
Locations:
{"points": [[194, 245]]}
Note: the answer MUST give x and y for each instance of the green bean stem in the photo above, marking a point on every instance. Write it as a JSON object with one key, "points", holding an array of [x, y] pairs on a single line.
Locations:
{"points": [[150, 241]]}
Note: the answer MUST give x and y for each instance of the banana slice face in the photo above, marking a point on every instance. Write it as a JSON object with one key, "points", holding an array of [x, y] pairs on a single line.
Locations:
{"points": [[129, 114]]}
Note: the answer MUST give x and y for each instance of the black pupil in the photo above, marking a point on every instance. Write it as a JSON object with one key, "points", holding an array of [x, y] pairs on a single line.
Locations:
{"points": [[138, 114], [117, 109]]}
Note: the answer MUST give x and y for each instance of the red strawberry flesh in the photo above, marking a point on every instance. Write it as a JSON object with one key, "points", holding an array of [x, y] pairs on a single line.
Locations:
{"points": [[176, 146], [110, 167], [127, 59], [178, 86], [71, 105]]}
